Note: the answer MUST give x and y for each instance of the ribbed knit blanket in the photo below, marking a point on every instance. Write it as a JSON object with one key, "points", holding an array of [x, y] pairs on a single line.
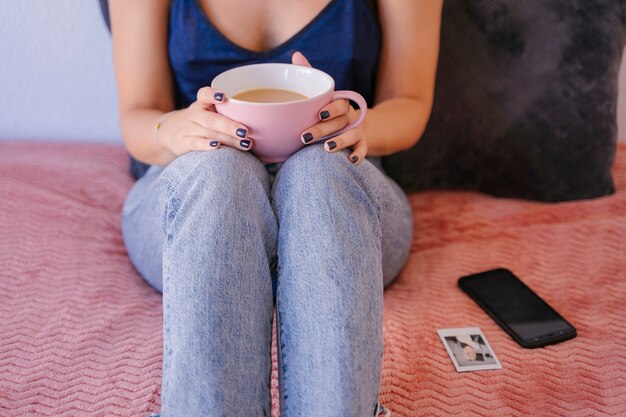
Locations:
{"points": [[80, 331]]}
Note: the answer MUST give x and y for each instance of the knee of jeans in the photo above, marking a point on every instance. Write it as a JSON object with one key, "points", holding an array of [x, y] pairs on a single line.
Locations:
{"points": [[313, 158], [211, 179], [224, 164], [317, 176], [223, 171], [312, 168]]}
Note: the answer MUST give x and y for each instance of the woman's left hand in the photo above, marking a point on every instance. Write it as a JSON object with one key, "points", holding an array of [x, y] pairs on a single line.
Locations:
{"points": [[334, 117]]}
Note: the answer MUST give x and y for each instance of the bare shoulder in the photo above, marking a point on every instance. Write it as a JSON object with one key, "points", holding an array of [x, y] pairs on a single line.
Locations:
{"points": [[139, 29], [410, 48], [142, 13]]}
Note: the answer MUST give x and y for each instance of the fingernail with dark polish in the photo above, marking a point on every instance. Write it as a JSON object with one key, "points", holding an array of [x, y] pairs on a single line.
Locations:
{"points": [[218, 96], [354, 159], [241, 132], [331, 145], [245, 143], [324, 115], [308, 137], [213, 143]]}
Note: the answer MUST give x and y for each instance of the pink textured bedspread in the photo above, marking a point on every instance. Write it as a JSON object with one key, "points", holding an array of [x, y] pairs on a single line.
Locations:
{"points": [[81, 331]]}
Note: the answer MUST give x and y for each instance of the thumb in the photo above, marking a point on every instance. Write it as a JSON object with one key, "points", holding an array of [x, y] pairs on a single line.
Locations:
{"points": [[298, 59]]}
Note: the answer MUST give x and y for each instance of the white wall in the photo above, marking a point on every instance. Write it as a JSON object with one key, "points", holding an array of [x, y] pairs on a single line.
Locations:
{"points": [[56, 75]]}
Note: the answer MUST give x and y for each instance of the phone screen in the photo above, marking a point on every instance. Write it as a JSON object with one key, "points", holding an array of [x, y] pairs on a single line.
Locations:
{"points": [[515, 304]]}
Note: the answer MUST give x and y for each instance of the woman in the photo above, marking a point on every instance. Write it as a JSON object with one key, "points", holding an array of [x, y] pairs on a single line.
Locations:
{"points": [[224, 236]]}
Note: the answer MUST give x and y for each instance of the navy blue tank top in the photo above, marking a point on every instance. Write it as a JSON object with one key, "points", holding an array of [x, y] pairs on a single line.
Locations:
{"points": [[343, 40]]}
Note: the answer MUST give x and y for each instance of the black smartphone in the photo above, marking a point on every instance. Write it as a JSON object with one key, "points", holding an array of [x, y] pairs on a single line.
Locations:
{"points": [[528, 319]]}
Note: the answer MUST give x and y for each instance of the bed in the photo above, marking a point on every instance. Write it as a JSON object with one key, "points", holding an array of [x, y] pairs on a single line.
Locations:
{"points": [[81, 331]]}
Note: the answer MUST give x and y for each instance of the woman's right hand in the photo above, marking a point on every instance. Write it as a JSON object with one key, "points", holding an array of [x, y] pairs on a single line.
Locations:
{"points": [[200, 128]]}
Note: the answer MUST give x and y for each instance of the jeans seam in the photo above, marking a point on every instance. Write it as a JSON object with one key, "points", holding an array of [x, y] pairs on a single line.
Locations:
{"points": [[390, 204], [170, 190], [378, 199]]}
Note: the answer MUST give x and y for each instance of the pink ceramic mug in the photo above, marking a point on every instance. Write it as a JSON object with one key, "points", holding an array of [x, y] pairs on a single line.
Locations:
{"points": [[276, 128]]}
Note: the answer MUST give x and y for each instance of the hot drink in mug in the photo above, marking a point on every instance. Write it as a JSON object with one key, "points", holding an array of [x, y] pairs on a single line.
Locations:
{"points": [[277, 102]]}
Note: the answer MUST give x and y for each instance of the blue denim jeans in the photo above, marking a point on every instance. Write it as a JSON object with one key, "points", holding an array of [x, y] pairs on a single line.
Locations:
{"points": [[225, 241]]}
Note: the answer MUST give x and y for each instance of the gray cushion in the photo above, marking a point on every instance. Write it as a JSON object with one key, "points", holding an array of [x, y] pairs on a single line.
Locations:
{"points": [[525, 101]]}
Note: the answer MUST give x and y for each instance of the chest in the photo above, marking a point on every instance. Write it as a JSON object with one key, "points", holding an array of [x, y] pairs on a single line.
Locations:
{"points": [[264, 24], [340, 37]]}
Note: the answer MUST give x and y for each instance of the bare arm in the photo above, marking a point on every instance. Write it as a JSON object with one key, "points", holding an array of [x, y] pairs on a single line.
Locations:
{"points": [[406, 84], [144, 81], [406, 77], [146, 97]]}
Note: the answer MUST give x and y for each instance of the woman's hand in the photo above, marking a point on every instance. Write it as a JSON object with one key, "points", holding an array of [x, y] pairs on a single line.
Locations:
{"points": [[200, 128], [334, 117]]}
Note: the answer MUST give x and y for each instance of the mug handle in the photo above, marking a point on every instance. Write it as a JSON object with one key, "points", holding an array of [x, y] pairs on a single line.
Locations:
{"points": [[359, 100]]}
